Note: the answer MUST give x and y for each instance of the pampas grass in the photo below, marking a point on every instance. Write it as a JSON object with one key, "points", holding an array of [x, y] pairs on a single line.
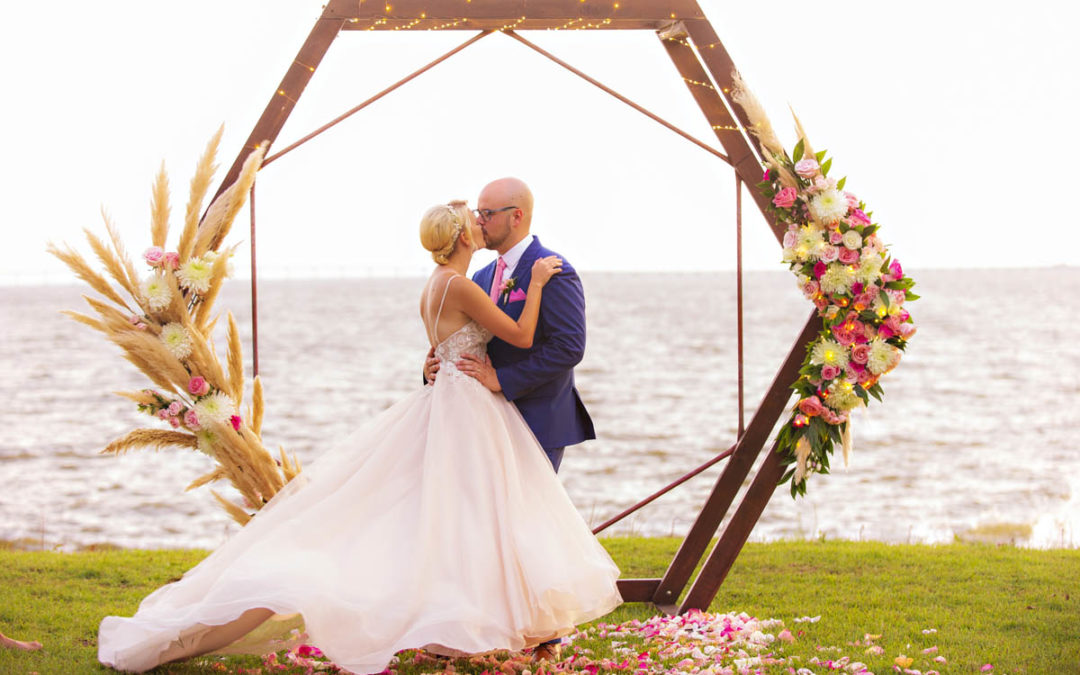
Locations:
{"points": [[155, 439], [135, 327], [200, 184], [772, 149]]}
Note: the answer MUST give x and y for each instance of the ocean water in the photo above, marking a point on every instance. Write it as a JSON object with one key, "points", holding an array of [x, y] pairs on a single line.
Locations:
{"points": [[975, 439]]}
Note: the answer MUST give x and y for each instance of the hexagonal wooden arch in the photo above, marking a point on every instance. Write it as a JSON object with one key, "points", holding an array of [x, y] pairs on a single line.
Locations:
{"points": [[706, 67]]}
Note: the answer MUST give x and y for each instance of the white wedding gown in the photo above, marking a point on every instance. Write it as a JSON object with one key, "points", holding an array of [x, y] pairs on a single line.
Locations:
{"points": [[440, 523]]}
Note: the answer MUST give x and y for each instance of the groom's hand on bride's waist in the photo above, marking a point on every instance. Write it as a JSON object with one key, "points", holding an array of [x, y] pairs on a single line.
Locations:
{"points": [[481, 369], [431, 366]]}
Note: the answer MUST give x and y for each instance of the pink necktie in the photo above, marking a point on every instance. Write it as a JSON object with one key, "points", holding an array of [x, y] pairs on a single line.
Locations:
{"points": [[496, 285]]}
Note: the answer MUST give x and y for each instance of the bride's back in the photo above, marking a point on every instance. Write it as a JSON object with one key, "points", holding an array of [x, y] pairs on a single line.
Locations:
{"points": [[450, 331]]}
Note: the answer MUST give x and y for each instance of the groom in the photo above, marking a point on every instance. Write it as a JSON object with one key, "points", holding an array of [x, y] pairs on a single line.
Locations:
{"points": [[538, 380]]}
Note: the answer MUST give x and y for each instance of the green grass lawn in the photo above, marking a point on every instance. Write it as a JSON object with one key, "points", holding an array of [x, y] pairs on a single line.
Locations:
{"points": [[1017, 610]]}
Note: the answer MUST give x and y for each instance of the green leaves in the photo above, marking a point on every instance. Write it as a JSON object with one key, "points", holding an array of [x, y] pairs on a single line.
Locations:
{"points": [[797, 153]]}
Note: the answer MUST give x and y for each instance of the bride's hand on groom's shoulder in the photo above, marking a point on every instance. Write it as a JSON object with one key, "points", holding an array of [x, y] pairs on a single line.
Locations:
{"points": [[431, 366], [545, 268]]}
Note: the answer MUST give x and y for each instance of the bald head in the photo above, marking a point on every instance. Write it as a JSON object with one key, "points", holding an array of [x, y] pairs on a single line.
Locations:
{"points": [[506, 228]]}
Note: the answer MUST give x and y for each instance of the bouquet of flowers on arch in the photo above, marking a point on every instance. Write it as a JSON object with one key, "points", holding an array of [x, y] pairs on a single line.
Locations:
{"points": [[833, 247], [163, 321]]}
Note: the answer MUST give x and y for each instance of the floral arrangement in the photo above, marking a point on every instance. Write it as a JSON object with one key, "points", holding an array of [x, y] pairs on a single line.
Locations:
{"points": [[164, 327], [832, 245]]}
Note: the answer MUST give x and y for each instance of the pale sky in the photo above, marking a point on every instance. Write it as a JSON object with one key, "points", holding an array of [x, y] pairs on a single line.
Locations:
{"points": [[953, 121]]}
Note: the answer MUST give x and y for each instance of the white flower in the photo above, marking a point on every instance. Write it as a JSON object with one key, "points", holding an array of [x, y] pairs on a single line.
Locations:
{"points": [[177, 340], [157, 291], [195, 274], [852, 239], [883, 357], [206, 440], [869, 271], [214, 408], [828, 207], [837, 279], [810, 242], [829, 353], [842, 396]]}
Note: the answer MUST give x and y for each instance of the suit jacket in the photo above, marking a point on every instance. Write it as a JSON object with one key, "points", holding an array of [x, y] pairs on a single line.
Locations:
{"points": [[540, 380]]}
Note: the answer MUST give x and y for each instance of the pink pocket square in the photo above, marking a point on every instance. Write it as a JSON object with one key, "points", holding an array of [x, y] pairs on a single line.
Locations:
{"points": [[516, 295]]}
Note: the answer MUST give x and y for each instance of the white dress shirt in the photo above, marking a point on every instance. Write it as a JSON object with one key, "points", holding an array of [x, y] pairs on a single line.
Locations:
{"points": [[513, 256]]}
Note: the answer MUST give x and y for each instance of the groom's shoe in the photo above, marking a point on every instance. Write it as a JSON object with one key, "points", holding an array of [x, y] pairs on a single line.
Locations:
{"points": [[548, 651]]}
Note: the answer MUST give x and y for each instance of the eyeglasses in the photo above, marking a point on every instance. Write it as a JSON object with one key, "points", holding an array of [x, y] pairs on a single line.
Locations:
{"points": [[485, 214]]}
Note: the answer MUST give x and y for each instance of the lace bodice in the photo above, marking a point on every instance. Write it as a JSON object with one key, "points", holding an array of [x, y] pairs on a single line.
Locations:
{"points": [[471, 338]]}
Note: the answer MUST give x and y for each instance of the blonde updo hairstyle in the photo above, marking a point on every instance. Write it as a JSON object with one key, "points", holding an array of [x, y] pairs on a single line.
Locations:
{"points": [[440, 228]]}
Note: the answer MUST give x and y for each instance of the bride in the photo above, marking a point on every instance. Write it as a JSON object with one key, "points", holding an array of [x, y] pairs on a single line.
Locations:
{"points": [[439, 524]]}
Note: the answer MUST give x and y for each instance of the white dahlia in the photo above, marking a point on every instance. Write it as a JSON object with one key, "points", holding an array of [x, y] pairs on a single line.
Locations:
{"points": [[842, 397], [810, 243], [214, 408], [195, 274], [828, 207], [883, 357], [157, 291], [869, 271], [206, 440], [177, 340], [829, 353], [839, 278]]}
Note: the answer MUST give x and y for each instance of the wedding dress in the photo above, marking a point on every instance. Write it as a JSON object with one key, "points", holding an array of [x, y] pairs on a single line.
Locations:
{"points": [[438, 524]]}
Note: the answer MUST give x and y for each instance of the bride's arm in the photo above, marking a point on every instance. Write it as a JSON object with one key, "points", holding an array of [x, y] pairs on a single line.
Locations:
{"points": [[479, 307]]}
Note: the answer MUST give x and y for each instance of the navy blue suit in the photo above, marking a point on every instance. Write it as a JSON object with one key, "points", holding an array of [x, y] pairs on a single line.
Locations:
{"points": [[540, 380]]}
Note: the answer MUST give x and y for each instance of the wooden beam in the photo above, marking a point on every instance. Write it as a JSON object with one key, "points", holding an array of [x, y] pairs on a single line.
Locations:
{"points": [[743, 156], [736, 470], [637, 590], [723, 555], [288, 92], [513, 14]]}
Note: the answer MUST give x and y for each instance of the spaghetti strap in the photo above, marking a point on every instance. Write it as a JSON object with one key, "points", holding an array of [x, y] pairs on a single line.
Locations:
{"points": [[435, 324]]}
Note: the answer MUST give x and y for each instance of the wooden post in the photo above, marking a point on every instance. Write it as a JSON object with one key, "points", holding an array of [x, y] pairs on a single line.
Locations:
{"points": [[288, 92], [735, 471]]}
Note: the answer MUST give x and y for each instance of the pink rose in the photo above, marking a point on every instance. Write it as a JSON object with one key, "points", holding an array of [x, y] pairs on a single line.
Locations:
{"points": [[822, 183], [806, 168], [235, 422], [811, 407], [855, 369], [893, 322], [852, 200], [819, 269], [821, 303], [810, 289], [785, 198], [790, 239], [849, 256], [845, 337], [171, 260], [835, 237], [163, 414], [865, 376], [174, 422], [829, 254], [191, 420], [174, 408], [198, 386], [896, 270], [154, 255], [829, 372], [896, 297], [907, 330], [860, 353], [857, 218]]}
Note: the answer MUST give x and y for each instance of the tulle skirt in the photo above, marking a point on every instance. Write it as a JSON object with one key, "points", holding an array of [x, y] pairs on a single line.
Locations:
{"points": [[439, 523]]}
